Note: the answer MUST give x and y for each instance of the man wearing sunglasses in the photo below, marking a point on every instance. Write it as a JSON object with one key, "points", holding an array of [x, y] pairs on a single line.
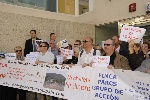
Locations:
{"points": [[117, 61], [78, 44], [86, 54], [45, 56], [19, 56]]}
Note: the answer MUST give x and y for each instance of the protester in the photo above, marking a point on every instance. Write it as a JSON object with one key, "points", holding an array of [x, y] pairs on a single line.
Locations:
{"points": [[146, 48], [117, 61], [74, 59], [45, 56], [119, 48], [86, 54], [99, 47], [145, 66], [19, 56], [30, 45], [78, 44], [136, 56]]}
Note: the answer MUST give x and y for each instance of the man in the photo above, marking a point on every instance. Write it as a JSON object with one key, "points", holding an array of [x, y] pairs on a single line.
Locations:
{"points": [[19, 56], [117, 61], [119, 48], [45, 56], [52, 37], [54, 49], [18, 51], [30, 45], [86, 54], [145, 66], [146, 48], [77, 44]]}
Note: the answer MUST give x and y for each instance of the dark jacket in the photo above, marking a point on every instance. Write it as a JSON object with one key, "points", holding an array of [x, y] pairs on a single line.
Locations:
{"points": [[119, 61], [29, 46], [135, 60], [74, 60], [123, 51]]}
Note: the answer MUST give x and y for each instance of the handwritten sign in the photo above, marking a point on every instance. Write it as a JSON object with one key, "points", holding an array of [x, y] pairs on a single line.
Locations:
{"points": [[34, 77], [67, 53], [31, 57], [76, 83], [130, 32], [101, 61]]}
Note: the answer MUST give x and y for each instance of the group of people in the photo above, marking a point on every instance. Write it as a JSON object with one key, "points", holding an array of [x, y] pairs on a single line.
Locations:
{"points": [[126, 56]]}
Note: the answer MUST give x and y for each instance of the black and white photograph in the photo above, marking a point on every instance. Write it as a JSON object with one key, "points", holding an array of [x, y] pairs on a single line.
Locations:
{"points": [[55, 79]]}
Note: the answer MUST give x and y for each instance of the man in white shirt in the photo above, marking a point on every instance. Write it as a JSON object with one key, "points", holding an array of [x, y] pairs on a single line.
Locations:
{"points": [[45, 56], [86, 54]]}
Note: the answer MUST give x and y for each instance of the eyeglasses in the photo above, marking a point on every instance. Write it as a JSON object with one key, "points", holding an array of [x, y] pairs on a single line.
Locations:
{"points": [[107, 44], [18, 50], [76, 44], [42, 46], [85, 41]]}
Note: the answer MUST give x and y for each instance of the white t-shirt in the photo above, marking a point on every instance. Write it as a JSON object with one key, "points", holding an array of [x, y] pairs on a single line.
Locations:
{"points": [[48, 57], [87, 58]]}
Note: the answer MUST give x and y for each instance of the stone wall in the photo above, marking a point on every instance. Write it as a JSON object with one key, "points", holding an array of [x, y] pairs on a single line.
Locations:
{"points": [[15, 28]]}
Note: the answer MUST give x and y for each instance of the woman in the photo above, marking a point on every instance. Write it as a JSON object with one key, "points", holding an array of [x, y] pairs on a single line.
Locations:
{"points": [[74, 59], [99, 47], [136, 56]]}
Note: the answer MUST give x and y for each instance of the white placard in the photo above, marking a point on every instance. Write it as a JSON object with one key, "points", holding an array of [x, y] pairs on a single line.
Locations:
{"points": [[10, 56], [100, 61], [31, 57], [130, 32], [67, 53]]}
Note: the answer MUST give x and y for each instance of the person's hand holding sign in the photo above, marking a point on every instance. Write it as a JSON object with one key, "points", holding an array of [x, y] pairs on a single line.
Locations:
{"points": [[131, 44]]}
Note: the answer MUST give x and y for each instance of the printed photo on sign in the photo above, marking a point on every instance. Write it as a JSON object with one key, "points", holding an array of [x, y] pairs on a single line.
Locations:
{"points": [[62, 43], [38, 42], [55, 79]]}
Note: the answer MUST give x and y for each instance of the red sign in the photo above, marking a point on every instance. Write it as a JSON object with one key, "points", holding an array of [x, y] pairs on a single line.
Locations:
{"points": [[132, 7]]}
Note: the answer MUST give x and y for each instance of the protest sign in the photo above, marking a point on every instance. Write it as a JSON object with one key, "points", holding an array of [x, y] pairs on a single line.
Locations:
{"points": [[100, 61], [10, 56], [59, 59], [76, 83], [34, 77], [38, 42], [106, 84], [31, 57], [62, 43], [130, 32], [67, 53]]}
